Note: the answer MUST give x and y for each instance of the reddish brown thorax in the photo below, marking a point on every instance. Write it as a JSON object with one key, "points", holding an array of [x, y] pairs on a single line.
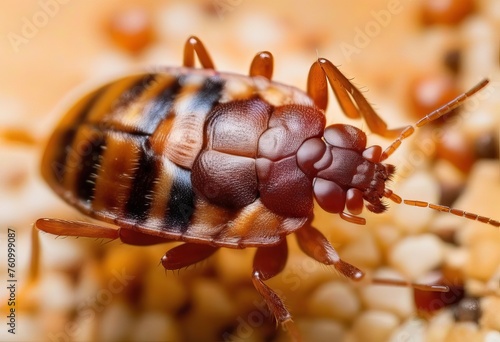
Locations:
{"points": [[250, 153], [345, 173]]}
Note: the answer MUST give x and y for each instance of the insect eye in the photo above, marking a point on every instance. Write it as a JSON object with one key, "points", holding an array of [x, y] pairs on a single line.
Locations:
{"points": [[373, 153], [354, 201], [330, 196]]}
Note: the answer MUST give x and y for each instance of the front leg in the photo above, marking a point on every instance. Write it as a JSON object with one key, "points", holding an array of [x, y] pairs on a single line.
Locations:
{"points": [[351, 100], [315, 245]]}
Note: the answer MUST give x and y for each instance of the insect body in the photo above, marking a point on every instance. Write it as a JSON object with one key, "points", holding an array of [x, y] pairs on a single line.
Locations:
{"points": [[187, 155], [223, 160]]}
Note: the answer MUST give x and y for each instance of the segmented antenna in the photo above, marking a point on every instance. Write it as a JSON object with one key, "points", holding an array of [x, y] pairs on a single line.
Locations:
{"points": [[458, 212], [445, 109], [409, 131]]}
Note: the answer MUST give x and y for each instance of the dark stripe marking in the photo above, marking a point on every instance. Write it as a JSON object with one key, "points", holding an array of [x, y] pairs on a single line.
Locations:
{"points": [[134, 91], [208, 94], [90, 164], [158, 108], [67, 138], [141, 193], [181, 202]]}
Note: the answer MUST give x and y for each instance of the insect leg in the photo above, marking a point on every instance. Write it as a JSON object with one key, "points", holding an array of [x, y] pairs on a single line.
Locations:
{"points": [[351, 100], [91, 230], [262, 65], [34, 270], [194, 45], [133, 237], [76, 228], [186, 254], [65, 228], [317, 87], [267, 263], [315, 245]]}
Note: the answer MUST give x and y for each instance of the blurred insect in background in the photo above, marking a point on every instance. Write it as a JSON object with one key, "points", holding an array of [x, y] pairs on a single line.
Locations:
{"points": [[225, 160]]}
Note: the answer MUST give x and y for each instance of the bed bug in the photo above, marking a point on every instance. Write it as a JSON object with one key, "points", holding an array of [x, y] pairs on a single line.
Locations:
{"points": [[225, 160]]}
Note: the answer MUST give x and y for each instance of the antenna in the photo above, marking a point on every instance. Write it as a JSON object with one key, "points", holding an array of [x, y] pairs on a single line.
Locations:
{"points": [[458, 212], [436, 114], [408, 131]]}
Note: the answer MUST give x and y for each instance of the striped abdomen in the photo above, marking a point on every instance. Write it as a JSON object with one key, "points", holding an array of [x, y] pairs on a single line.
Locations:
{"points": [[129, 152]]}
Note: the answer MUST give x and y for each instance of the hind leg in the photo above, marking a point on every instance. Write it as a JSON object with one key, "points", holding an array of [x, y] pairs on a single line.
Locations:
{"points": [[84, 229], [267, 263], [91, 230]]}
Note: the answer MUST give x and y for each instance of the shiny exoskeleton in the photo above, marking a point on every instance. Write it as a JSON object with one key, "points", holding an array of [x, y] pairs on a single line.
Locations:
{"points": [[223, 160]]}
